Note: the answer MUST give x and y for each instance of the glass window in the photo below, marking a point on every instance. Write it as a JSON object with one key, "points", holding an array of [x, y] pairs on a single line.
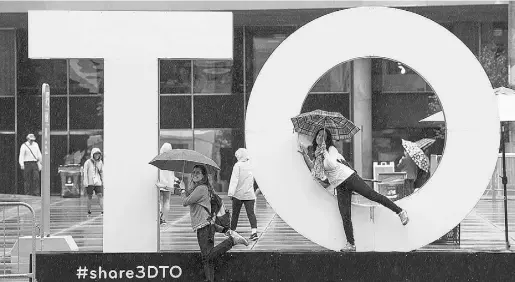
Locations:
{"points": [[33, 73], [399, 110], [260, 44], [9, 163], [212, 76], [58, 149], [7, 62], [86, 113], [175, 76], [263, 47], [29, 115], [338, 79], [175, 112], [397, 77], [327, 102], [86, 76], [58, 113], [224, 111], [81, 144], [7, 114], [220, 145]]}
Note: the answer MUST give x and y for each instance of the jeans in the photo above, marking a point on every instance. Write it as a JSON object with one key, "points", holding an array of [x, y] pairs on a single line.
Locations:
{"points": [[249, 208], [209, 252], [31, 183], [344, 195]]}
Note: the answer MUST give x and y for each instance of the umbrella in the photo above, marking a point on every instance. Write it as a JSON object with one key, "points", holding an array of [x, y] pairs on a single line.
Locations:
{"points": [[424, 143], [183, 160], [311, 122], [416, 154]]}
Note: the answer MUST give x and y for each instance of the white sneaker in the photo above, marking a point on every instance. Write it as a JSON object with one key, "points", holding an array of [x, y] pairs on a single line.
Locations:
{"points": [[348, 248], [403, 215], [238, 239]]}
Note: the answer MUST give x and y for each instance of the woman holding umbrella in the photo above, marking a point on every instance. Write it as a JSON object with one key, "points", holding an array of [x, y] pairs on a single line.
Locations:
{"points": [[413, 161], [328, 164], [198, 199]]}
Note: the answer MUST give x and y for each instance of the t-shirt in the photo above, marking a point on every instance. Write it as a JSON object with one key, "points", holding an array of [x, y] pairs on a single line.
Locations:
{"points": [[336, 172]]}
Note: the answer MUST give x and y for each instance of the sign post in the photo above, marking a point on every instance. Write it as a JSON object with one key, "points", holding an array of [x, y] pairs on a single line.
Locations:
{"points": [[45, 171]]}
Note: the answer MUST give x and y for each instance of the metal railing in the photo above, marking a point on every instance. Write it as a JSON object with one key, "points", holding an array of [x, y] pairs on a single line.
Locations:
{"points": [[7, 241]]}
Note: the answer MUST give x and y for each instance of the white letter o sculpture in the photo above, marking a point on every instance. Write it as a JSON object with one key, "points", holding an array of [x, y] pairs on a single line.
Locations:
{"points": [[472, 120]]}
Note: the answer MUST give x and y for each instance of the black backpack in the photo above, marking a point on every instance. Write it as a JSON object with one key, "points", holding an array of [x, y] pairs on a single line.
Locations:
{"points": [[221, 214]]}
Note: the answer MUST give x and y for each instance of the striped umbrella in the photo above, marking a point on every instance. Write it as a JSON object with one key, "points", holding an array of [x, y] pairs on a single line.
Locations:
{"points": [[416, 154], [311, 122]]}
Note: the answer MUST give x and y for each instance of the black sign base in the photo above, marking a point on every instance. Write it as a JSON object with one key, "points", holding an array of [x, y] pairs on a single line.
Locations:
{"points": [[278, 266]]}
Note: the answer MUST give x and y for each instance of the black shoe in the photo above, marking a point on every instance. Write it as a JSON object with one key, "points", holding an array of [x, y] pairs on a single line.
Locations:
{"points": [[253, 237], [89, 213]]}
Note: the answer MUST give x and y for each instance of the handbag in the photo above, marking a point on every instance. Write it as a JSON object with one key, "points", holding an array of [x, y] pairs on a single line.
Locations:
{"points": [[40, 166]]}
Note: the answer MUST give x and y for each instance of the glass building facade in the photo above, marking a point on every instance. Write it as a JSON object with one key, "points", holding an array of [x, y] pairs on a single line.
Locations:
{"points": [[202, 103]]}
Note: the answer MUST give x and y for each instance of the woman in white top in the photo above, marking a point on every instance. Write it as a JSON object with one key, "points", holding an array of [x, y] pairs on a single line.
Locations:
{"points": [[330, 166], [241, 191]]}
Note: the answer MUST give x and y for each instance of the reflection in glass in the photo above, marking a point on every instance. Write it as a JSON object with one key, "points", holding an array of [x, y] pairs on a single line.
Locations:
{"points": [[86, 76], [175, 76], [219, 145], [212, 76], [86, 113], [338, 79]]}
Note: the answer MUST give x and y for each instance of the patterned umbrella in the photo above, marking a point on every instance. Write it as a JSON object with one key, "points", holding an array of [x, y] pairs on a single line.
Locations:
{"points": [[424, 143], [416, 154], [311, 122]]}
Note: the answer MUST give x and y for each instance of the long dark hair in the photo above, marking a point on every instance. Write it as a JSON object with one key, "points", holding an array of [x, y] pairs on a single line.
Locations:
{"points": [[328, 139], [205, 179]]}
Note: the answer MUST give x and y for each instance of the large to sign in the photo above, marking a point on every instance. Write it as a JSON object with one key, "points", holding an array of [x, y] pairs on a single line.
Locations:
{"points": [[465, 93]]}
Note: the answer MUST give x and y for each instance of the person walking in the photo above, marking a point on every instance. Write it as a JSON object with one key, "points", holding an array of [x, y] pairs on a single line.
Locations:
{"points": [[330, 165], [93, 178], [198, 199], [166, 184], [30, 162], [406, 164], [241, 191]]}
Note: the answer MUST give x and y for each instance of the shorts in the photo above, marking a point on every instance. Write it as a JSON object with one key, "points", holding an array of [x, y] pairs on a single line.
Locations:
{"points": [[97, 189]]}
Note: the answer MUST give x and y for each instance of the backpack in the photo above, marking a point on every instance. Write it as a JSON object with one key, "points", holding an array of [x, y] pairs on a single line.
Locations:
{"points": [[219, 213]]}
